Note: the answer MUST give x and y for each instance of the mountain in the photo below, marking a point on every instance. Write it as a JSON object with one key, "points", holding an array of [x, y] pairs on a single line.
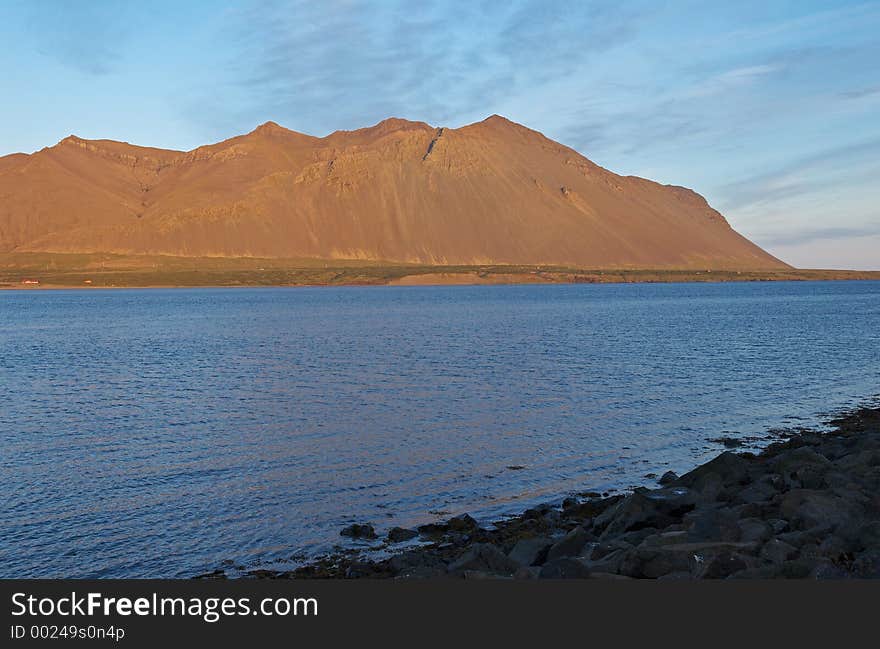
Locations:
{"points": [[493, 192]]}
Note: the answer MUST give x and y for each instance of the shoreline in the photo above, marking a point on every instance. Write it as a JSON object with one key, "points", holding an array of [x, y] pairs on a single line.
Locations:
{"points": [[402, 277], [804, 507], [55, 271]]}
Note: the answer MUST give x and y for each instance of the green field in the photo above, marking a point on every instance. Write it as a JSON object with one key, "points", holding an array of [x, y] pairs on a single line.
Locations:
{"points": [[108, 270]]}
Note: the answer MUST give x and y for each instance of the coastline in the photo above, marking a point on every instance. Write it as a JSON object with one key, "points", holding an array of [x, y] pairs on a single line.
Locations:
{"points": [[807, 506], [40, 271]]}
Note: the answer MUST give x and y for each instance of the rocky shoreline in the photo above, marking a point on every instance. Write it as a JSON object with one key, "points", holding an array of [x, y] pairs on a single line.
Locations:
{"points": [[806, 507]]}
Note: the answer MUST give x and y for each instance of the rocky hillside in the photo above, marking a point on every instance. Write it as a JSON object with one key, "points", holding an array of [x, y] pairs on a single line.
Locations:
{"points": [[493, 192]]}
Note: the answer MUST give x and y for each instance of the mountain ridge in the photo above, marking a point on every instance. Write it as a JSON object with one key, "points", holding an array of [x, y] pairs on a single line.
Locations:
{"points": [[403, 191]]}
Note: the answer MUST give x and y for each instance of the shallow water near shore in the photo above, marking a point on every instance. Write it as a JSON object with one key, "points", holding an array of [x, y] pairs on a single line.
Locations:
{"points": [[159, 433]]}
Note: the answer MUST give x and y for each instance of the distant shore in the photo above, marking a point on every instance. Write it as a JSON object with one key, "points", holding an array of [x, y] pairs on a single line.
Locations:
{"points": [[805, 507], [34, 271]]}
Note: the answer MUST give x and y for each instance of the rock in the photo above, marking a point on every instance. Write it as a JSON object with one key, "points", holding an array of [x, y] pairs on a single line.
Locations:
{"points": [[361, 569], [862, 459], [479, 575], [633, 512], [730, 468], [610, 576], [652, 563], [760, 491], [801, 468], [537, 512], [680, 575], [462, 523], [416, 560], [636, 537], [723, 565], [565, 568], [685, 557], [807, 508], [779, 525], [673, 500], [570, 503], [668, 478], [592, 508], [666, 538], [486, 558], [797, 538], [527, 572], [797, 568], [569, 545], [867, 536], [609, 563], [777, 552], [712, 524], [422, 572], [596, 551], [826, 569], [359, 531], [837, 548], [755, 530], [433, 531], [215, 574], [867, 565], [401, 534], [791, 460], [728, 442], [530, 552]]}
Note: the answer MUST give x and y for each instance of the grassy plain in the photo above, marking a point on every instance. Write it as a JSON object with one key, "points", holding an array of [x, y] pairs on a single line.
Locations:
{"points": [[101, 270]]}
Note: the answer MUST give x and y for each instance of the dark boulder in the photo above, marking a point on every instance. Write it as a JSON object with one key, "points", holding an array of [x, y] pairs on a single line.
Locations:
{"points": [[484, 557], [401, 534], [761, 490], [754, 530], [530, 552], [723, 564], [808, 508], [569, 545], [433, 531], [565, 568], [777, 552], [463, 523], [634, 512], [668, 478], [867, 565], [359, 531], [712, 524], [590, 509], [730, 468]]}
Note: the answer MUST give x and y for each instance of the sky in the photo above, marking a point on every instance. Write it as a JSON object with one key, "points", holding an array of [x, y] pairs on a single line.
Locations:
{"points": [[770, 109]]}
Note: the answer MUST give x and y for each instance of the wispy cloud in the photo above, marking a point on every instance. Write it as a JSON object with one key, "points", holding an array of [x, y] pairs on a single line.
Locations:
{"points": [[807, 175], [862, 93], [823, 234], [346, 63]]}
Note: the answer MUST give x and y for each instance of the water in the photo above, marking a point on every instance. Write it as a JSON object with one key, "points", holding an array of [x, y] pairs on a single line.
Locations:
{"points": [[155, 433]]}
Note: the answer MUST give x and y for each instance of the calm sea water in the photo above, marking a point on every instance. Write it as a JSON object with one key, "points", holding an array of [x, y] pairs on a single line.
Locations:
{"points": [[150, 433]]}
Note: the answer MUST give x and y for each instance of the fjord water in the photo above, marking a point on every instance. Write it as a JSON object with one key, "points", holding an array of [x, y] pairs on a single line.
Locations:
{"points": [[154, 433]]}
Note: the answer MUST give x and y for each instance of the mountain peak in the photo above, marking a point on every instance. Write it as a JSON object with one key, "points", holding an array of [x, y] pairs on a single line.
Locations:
{"points": [[270, 127], [495, 118], [493, 192], [71, 139], [500, 124], [398, 124]]}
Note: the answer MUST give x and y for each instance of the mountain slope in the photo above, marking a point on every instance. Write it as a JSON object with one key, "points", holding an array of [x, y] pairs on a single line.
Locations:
{"points": [[491, 192]]}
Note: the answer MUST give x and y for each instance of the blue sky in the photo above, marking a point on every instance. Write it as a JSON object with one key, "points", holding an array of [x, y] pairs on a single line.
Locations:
{"points": [[770, 109]]}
